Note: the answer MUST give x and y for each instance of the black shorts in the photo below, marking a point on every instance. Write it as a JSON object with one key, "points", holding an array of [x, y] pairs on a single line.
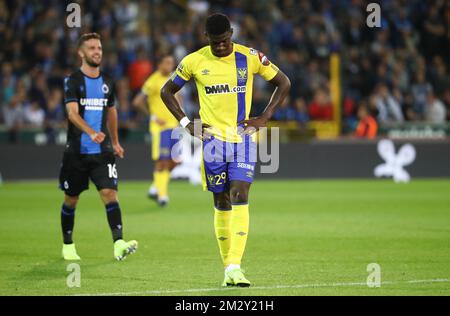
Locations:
{"points": [[77, 169]]}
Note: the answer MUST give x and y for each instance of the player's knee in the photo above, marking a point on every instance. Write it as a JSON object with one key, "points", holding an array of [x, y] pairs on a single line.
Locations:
{"points": [[238, 195], [222, 201], [108, 195], [159, 165], [223, 205], [71, 201], [165, 164]]}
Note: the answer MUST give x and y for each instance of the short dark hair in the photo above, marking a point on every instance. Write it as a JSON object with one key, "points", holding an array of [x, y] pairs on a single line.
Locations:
{"points": [[86, 37], [217, 24]]}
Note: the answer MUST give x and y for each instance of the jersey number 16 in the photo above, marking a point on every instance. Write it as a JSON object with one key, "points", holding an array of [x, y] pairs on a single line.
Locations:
{"points": [[112, 171]]}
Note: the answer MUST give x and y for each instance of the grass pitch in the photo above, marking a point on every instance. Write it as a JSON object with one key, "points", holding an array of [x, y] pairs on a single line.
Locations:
{"points": [[306, 238]]}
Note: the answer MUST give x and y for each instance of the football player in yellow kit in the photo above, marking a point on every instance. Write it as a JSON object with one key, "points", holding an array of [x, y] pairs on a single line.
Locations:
{"points": [[162, 122], [223, 72]]}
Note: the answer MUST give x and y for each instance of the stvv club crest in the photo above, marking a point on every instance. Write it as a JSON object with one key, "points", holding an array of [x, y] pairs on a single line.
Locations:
{"points": [[242, 73]]}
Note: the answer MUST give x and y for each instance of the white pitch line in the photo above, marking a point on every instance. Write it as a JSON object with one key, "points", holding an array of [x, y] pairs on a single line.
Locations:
{"points": [[274, 287]]}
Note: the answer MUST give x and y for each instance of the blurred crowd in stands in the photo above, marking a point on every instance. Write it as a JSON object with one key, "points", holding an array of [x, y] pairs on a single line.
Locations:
{"points": [[395, 73]]}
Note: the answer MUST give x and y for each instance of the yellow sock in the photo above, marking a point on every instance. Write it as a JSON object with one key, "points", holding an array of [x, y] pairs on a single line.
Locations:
{"points": [[239, 232], [163, 190], [157, 180], [222, 229]]}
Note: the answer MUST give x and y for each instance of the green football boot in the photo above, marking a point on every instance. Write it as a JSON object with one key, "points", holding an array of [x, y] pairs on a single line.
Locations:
{"points": [[227, 281], [69, 252], [124, 248], [236, 277]]}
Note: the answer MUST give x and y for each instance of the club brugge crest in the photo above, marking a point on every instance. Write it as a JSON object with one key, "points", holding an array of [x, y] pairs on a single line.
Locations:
{"points": [[242, 73], [105, 88]]}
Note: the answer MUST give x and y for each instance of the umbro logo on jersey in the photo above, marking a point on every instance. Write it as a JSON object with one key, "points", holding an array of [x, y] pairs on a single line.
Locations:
{"points": [[211, 180], [205, 72], [223, 88]]}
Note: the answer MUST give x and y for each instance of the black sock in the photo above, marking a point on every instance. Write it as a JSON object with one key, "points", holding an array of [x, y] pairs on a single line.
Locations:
{"points": [[114, 219], [67, 222]]}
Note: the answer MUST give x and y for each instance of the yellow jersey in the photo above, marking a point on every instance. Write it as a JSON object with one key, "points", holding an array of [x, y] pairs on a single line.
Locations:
{"points": [[225, 86], [156, 106]]}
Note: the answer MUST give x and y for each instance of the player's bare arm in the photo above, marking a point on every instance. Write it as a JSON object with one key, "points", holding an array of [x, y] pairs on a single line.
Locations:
{"points": [[111, 123], [78, 121], [168, 92], [168, 95], [283, 85]]}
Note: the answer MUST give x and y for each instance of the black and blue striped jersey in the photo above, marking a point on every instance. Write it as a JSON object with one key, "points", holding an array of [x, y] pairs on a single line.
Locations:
{"points": [[94, 96]]}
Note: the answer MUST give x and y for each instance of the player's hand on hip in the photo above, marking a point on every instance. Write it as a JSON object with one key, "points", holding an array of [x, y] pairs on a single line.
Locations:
{"points": [[252, 125], [98, 138], [118, 150], [200, 133]]}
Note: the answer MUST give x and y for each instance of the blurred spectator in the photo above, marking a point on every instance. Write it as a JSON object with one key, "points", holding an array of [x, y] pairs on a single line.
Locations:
{"points": [[440, 77], [34, 115], [55, 115], [408, 54], [285, 112], [301, 111], [321, 108], [7, 84], [420, 90], [199, 7], [13, 115], [435, 111], [446, 100], [39, 90], [367, 125], [389, 109], [433, 31], [124, 111], [139, 70]]}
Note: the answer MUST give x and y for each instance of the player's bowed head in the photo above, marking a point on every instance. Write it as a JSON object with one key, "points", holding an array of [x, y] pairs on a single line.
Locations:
{"points": [[218, 31]]}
